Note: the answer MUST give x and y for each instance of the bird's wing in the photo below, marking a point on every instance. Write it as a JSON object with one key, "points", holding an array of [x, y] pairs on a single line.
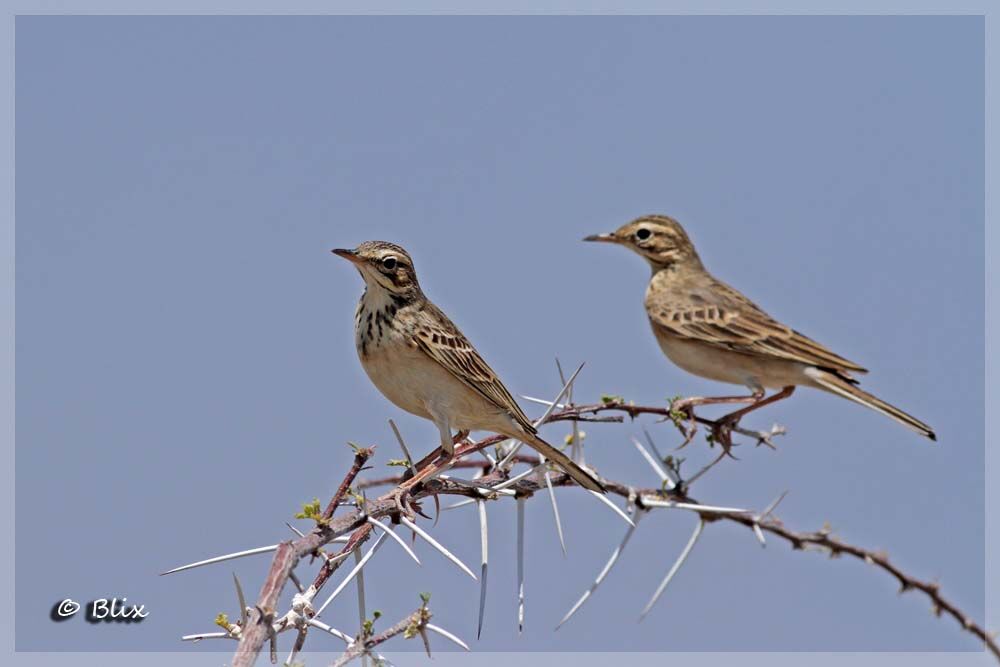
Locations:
{"points": [[442, 341], [721, 316]]}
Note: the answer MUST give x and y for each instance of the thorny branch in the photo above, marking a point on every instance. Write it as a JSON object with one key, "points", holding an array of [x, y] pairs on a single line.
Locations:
{"points": [[260, 625], [410, 626]]}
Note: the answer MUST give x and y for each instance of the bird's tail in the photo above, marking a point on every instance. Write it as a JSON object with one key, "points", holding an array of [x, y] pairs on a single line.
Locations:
{"points": [[837, 385], [578, 474]]}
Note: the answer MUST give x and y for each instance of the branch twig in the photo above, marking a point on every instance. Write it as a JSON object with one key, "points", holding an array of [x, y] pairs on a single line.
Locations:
{"points": [[262, 626]]}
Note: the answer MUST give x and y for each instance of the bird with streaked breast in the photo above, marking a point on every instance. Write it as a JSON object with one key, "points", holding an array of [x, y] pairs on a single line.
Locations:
{"points": [[423, 363], [707, 328]]}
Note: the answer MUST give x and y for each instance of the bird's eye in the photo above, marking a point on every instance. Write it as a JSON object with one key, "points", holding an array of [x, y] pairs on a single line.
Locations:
{"points": [[389, 263], [643, 234]]}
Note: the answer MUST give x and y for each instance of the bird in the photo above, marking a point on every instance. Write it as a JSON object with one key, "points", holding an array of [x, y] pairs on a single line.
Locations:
{"points": [[418, 359], [710, 329]]}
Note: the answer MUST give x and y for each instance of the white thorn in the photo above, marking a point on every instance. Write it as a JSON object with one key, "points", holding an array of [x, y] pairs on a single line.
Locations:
{"points": [[516, 478], [388, 530], [653, 463], [759, 533], [362, 613], [542, 401], [555, 510], [695, 507], [460, 503], [402, 445], [617, 510], [520, 565], [205, 635], [484, 544], [447, 635], [773, 506], [350, 575], [316, 623], [437, 545], [220, 559], [242, 600], [676, 566], [636, 515], [538, 422]]}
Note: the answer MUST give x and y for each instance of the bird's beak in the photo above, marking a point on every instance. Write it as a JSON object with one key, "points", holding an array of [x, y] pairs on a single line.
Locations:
{"points": [[349, 255], [602, 238]]}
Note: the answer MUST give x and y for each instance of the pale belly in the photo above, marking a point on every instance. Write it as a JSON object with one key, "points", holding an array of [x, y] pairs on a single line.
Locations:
{"points": [[417, 384], [732, 367]]}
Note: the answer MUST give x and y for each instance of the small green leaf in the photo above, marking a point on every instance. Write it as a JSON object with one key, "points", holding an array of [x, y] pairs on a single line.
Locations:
{"points": [[608, 399], [402, 463], [222, 621]]}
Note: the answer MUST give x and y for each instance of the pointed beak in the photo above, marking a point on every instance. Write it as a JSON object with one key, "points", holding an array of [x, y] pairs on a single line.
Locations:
{"points": [[602, 238], [349, 255]]}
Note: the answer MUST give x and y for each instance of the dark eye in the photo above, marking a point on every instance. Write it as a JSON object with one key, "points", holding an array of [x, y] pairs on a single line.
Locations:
{"points": [[643, 234], [389, 263]]}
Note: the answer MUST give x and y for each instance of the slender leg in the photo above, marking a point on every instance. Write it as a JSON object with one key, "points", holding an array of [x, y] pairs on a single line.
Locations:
{"points": [[773, 398], [436, 461], [437, 451]]}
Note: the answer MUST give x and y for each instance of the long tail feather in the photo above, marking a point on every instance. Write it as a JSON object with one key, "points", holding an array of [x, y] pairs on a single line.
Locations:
{"points": [[579, 475], [836, 385]]}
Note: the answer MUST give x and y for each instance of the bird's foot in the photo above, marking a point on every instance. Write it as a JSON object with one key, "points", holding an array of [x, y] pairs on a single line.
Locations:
{"points": [[722, 433]]}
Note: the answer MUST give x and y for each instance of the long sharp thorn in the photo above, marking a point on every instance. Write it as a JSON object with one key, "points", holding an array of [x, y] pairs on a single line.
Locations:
{"points": [[636, 515], [773, 506], [653, 463], [220, 559], [242, 600], [576, 450], [399, 540], [350, 575], [555, 510], [520, 565], [205, 635], [543, 401], [567, 386], [484, 544], [517, 478], [607, 501], [362, 613], [316, 623], [562, 376], [695, 507], [652, 445], [437, 545], [759, 533], [447, 635], [402, 445], [676, 566], [545, 415], [460, 503]]}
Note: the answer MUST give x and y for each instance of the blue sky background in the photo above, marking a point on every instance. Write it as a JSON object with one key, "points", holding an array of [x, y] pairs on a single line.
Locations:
{"points": [[186, 371]]}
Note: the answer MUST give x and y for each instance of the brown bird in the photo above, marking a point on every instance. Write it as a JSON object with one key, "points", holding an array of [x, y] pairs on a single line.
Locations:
{"points": [[710, 329], [420, 360]]}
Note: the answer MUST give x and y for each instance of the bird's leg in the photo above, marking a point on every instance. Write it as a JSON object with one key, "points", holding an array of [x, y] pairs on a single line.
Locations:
{"points": [[435, 462], [436, 453], [724, 425], [687, 405]]}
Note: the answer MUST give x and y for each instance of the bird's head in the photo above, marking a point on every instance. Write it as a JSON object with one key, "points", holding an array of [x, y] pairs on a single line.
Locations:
{"points": [[384, 266], [658, 238]]}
